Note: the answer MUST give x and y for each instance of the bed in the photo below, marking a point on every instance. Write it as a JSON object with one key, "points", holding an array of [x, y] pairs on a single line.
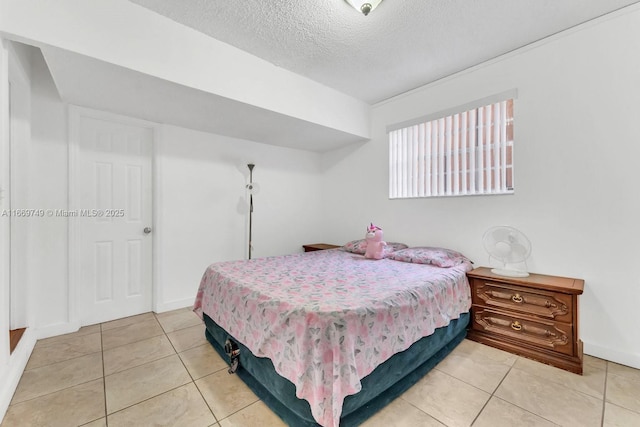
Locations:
{"points": [[329, 337]]}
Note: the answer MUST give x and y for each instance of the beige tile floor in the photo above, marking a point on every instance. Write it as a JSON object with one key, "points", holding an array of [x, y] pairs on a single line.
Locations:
{"points": [[158, 369]]}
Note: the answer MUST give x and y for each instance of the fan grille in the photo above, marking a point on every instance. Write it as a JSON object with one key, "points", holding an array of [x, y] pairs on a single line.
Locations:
{"points": [[506, 244]]}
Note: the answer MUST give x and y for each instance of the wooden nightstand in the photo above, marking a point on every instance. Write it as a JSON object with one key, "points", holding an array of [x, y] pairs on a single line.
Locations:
{"points": [[318, 247], [535, 317]]}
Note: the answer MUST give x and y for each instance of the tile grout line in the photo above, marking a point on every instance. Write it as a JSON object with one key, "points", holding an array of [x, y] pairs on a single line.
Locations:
{"points": [[168, 391], [207, 403], [493, 393], [138, 342], [604, 394], [152, 361], [419, 409], [535, 375], [411, 404], [104, 380], [147, 399], [435, 368], [469, 384], [144, 339], [54, 391], [176, 353], [142, 364], [243, 408], [187, 369], [133, 342], [64, 360], [193, 381]]}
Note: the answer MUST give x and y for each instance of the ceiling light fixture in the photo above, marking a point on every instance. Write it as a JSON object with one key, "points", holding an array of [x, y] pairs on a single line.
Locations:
{"points": [[364, 6]]}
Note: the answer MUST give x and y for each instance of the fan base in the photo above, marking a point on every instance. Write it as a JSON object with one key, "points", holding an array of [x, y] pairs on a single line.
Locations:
{"points": [[509, 273]]}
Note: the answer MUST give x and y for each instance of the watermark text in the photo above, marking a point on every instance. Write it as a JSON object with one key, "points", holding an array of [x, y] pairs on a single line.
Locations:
{"points": [[63, 213]]}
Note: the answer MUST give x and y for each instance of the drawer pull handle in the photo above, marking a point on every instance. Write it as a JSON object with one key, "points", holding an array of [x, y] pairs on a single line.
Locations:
{"points": [[517, 298], [516, 326]]}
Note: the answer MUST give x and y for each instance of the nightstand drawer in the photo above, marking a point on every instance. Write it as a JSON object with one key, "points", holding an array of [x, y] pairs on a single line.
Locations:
{"points": [[551, 335], [551, 305]]}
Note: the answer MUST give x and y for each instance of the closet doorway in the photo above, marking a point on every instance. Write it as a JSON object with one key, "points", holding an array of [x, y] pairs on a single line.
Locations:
{"points": [[16, 197]]}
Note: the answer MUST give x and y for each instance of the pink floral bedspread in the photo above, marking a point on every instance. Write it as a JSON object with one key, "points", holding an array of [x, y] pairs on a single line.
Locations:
{"points": [[327, 319]]}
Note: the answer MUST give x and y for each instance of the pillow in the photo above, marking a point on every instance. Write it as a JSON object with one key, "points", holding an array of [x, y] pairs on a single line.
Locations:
{"points": [[438, 257], [359, 247], [355, 246], [394, 246]]}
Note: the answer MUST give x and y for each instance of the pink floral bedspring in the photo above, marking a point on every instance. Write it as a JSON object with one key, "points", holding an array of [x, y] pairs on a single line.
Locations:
{"points": [[327, 319]]}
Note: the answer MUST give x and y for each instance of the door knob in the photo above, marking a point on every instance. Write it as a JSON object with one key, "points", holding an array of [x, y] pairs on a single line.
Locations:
{"points": [[147, 230]]}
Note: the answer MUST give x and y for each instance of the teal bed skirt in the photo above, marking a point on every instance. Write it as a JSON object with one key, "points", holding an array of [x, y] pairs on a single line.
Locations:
{"points": [[380, 387]]}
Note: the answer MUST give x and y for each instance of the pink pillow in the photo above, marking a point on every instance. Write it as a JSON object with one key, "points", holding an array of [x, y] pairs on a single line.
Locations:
{"points": [[438, 257]]}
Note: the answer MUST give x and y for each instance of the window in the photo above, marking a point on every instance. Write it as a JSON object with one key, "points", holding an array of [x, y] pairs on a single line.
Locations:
{"points": [[466, 152]]}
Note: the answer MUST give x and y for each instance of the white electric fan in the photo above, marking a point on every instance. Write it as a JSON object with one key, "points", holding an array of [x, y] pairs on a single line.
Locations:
{"points": [[509, 246]]}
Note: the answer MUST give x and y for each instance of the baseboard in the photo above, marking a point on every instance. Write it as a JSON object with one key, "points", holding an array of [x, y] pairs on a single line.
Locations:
{"points": [[627, 359], [174, 305], [11, 373], [57, 329]]}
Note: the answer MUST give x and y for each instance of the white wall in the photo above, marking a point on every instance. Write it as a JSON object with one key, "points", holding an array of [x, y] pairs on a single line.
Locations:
{"points": [[49, 190], [577, 150], [203, 208], [20, 130], [14, 69]]}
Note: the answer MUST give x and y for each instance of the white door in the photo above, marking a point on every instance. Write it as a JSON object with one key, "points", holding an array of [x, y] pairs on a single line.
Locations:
{"points": [[114, 210]]}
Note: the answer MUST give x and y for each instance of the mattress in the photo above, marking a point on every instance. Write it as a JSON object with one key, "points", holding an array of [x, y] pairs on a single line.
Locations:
{"points": [[327, 319]]}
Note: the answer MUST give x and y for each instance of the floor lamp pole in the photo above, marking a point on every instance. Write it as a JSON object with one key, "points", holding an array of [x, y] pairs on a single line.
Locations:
{"points": [[250, 166]]}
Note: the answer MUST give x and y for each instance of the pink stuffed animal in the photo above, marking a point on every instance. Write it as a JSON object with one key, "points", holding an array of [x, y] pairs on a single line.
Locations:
{"points": [[373, 243]]}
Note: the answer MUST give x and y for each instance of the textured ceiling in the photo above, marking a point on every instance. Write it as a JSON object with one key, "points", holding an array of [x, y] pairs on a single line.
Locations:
{"points": [[401, 45]]}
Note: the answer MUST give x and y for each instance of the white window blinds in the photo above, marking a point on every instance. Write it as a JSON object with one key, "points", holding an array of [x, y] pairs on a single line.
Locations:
{"points": [[469, 152]]}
